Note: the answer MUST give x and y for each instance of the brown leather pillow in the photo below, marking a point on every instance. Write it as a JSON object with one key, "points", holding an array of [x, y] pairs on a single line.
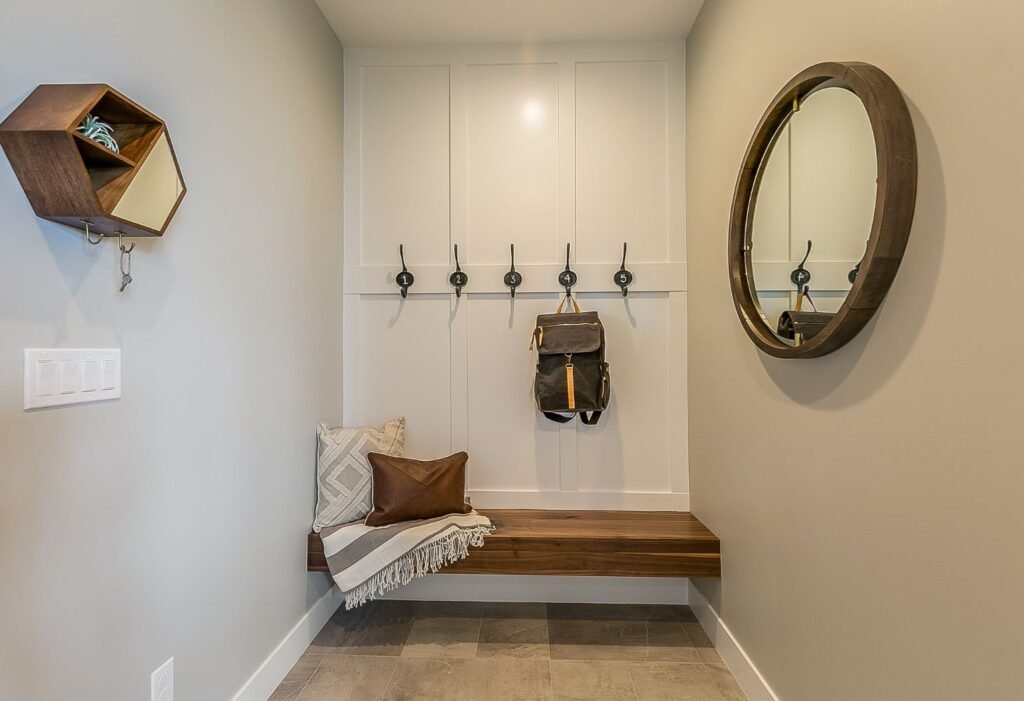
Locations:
{"points": [[405, 489]]}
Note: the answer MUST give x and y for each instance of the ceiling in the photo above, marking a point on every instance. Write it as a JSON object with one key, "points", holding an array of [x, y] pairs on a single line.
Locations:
{"points": [[378, 23]]}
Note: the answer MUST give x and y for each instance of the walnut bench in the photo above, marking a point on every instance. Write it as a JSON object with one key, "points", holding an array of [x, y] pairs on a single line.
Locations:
{"points": [[613, 543]]}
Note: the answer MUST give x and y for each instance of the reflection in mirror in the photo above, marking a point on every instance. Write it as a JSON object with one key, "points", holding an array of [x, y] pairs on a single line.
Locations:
{"points": [[155, 189], [816, 185]]}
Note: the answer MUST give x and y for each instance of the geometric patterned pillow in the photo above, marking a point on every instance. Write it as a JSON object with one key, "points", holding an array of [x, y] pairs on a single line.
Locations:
{"points": [[343, 473]]}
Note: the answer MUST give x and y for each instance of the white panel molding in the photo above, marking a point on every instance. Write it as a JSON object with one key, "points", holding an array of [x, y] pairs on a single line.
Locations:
{"points": [[404, 176], [678, 398], [675, 114], [732, 653], [404, 356], [545, 588], [580, 500], [487, 279], [512, 162], [459, 363], [511, 447], [622, 159], [352, 360], [513, 53], [273, 670]]}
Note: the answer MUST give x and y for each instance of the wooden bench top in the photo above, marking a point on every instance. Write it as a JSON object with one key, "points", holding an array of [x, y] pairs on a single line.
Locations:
{"points": [[619, 543]]}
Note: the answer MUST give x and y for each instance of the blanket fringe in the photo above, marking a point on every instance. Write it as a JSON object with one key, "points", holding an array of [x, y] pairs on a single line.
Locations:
{"points": [[424, 560]]}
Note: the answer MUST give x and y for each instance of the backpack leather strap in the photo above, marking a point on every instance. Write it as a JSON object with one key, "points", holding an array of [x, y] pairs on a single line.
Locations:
{"points": [[558, 418], [589, 420], [572, 301]]}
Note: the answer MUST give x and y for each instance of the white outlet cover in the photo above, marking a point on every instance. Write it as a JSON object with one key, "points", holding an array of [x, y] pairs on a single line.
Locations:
{"points": [[161, 683]]}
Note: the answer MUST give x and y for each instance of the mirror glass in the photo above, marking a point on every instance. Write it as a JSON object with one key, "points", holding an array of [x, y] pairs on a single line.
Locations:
{"points": [[817, 183], [153, 192]]}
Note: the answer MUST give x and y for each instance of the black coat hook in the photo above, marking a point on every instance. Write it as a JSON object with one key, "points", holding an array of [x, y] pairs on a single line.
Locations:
{"points": [[567, 278], [801, 275], [458, 279], [404, 279], [512, 278], [623, 278]]}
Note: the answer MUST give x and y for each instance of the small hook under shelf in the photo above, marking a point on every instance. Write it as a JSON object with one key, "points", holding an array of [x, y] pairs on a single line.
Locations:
{"points": [[458, 279], [88, 233], [623, 278], [404, 279], [513, 279]]}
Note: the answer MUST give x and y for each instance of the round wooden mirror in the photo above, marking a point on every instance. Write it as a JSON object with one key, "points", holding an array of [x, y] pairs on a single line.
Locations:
{"points": [[822, 209]]}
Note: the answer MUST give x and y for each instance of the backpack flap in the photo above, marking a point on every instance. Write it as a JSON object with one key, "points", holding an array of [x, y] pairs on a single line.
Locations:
{"points": [[557, 334]]}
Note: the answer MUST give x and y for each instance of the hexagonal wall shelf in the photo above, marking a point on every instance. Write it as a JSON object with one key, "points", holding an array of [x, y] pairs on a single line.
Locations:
{"points": [[72, 179]]}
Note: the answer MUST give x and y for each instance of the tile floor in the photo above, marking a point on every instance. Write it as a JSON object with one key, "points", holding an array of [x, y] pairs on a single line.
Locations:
{"points": [[460, 651]]}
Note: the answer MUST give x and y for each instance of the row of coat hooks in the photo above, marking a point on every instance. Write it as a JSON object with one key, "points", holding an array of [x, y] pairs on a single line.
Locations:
{"points": [[513, 278]]}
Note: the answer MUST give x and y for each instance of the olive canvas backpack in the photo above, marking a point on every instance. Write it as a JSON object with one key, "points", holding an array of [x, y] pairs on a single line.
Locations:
{"points": [[572, 375]]}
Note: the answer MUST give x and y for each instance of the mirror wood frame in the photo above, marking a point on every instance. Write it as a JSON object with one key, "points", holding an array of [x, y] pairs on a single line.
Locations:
{"points": [[895, 196]]}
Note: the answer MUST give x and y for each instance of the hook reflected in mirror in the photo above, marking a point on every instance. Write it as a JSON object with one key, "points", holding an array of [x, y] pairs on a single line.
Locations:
{"points": [[404, 279], [513, 279], [801, 276]]}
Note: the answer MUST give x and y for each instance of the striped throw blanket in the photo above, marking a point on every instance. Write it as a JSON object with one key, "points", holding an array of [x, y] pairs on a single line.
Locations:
{"points": [[367, 562]]}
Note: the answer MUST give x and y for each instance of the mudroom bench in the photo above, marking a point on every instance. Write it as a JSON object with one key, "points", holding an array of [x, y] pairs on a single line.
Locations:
{"points": [[613, 543]]}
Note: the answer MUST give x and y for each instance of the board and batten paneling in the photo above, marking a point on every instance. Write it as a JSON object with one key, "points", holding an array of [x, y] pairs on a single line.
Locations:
{"points": [[512, 162], [486, 146], [621, 158], [404, 142]]}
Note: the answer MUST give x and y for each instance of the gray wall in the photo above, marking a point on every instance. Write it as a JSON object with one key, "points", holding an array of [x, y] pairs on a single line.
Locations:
{"points": [[869, 503], [172, 522]]}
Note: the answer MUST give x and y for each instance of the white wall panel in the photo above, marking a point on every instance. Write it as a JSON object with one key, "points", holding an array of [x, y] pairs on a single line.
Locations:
{"points": [[567, 143], [405, 369], [512, 446], [628, 450], [512, 162], [403, 157], [621, 160]]}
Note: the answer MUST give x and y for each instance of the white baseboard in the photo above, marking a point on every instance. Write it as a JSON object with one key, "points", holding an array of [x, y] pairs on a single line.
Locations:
{"points": [[566, 501], [732, 653], [269, 675], [553, 589]]}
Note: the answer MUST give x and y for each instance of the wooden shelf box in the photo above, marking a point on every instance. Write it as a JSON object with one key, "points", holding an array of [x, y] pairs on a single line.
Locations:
{"points": [[71, 179]]}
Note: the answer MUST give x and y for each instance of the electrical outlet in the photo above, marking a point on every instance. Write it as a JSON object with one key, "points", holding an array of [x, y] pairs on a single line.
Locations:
{"points": [[161, 683]]}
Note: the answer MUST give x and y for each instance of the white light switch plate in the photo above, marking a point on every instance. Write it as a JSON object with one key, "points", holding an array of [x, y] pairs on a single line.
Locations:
{"points": [[58, 376]]}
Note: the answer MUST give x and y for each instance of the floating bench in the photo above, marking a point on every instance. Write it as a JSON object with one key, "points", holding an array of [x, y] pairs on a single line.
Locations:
{"points": [[614, 543]]}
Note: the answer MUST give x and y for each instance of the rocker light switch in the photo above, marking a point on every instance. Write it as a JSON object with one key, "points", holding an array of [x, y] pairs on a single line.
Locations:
{"points": [[46, 378], [70, 373], [90, 375], [58, 376]]}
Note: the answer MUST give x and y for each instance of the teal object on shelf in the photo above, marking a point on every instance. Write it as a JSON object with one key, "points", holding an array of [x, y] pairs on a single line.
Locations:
{"points": [[99, 131]]}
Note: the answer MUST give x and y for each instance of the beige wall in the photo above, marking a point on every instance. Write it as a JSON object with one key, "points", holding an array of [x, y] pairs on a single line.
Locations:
{"points": [[172, 521], [869, 503]]}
